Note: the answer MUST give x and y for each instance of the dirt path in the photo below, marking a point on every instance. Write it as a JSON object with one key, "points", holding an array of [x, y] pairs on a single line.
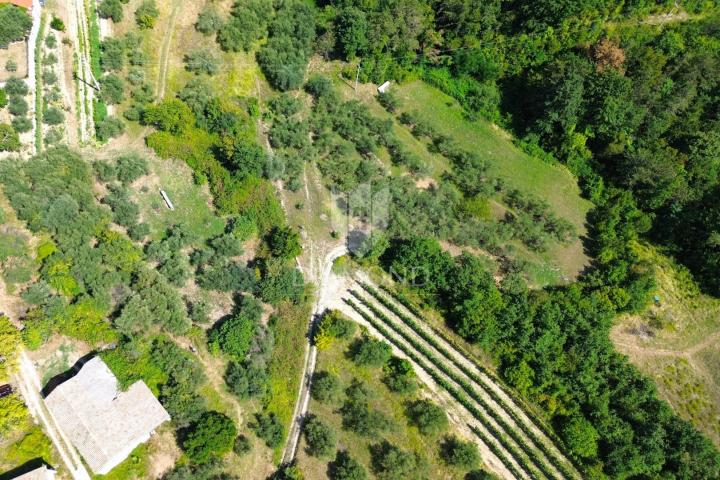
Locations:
{"points": [[29, 384], [165, 51], [303, 400], [628, 347]]}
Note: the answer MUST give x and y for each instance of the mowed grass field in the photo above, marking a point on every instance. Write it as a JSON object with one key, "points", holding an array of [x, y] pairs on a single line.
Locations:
{"points": [[336, 361], [677, 343]]}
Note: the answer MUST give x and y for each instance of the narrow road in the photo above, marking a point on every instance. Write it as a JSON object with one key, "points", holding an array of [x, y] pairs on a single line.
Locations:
{"points": [[30, 387], [165, 51], [301, 406]]}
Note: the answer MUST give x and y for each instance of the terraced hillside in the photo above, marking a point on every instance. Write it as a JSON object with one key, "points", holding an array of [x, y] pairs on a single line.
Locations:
{"points": [[523, 447]]}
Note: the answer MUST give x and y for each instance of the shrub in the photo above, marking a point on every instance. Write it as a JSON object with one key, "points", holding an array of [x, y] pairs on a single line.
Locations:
{"points": [[57, 24], [242, 445], [112, 54], [212, 435], [9, 138], [173, 116], [112, 89], [3, 98], [269, 429], [285, 283], [11, 66], [209, 20], [202, 61], [112, 9], [389, 101], [370, 352], [234, 336], [246, 379], [284, 242], [326, 387], [320, 438], [16, 86], [344, 467], [146, 14], [15, 24], [49, 77], [50, 41], [130, 167], [17, 106], [427, 417], [53, 116], [390, 462], [399, 376], [460, 454], [109, 128], [360, 418]]}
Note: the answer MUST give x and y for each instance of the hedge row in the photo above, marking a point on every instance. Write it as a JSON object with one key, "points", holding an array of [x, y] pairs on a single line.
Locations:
{"points": [[442, 381], [412, 324]]}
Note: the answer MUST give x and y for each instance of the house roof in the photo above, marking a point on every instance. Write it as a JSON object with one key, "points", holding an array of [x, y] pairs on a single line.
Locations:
{"points": [[102, 422], [26, 4], [42, 473]]}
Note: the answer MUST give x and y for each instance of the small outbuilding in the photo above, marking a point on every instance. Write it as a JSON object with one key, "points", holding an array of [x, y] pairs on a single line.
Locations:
{"points": [[384, 87], [102, 422]]}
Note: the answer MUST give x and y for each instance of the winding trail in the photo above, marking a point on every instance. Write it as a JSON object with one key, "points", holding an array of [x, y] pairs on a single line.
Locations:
{"points": [[303, 400]]}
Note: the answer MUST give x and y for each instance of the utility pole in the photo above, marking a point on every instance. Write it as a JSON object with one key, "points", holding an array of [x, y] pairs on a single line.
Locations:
{"points": [[357, 76]]}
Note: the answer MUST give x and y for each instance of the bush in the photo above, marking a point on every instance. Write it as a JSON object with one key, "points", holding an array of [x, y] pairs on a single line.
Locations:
{"points": [[242, 445], [57, 24], [320, 438], [460, 454], [344, 467], [17, 106], [11, 66], [15, 24], [234, 336], [399, 376], [3, 98], [427, 417], [284, 242], [9, 138], [112, 9], [172, 116], [202, 61], [130, 167], [269, 429], [389, 101], [146, 14], [112, 54], [246, 379], [53, 116], [22, 124], [209, 20], [16, 86], [49, 77], [370, 352], [109, 128], [326, 387], [112, 89], [390, 462], [211, 436]]}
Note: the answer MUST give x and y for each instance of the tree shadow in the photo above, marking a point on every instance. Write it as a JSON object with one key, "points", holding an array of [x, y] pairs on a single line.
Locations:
{"points": [[26, 467]]}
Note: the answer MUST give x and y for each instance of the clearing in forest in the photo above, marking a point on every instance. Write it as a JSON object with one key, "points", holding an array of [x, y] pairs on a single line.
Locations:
{"points": [[675, 342]]}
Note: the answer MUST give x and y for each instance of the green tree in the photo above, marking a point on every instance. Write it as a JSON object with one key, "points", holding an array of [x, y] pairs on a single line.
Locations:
{"points": [[234, 336], [130, 167], [9, 138], [173, 116], [460, 454], [146, 14], [580, 436], [202, 60], [112, 9], [370, 352], [427, 417], [284, 242], [16, 86], [391, 462], [13, 413], [209, 20], [53, 116], [399, 376], [211, 436], [15, 24], [242, 445], [108, 128], [351, 27], [344, 467], [112, 89], [320, 437], [268, 428], [326, 387]]}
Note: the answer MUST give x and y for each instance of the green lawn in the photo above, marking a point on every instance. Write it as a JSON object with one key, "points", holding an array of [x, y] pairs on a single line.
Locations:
{"points": [[192, 202]]}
